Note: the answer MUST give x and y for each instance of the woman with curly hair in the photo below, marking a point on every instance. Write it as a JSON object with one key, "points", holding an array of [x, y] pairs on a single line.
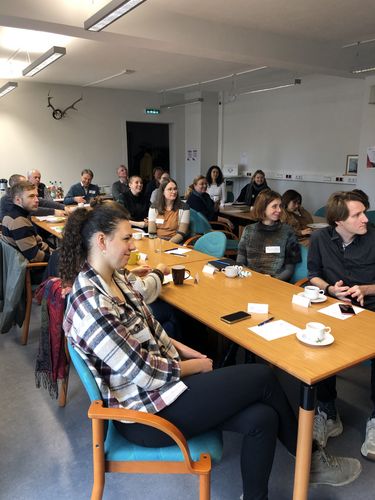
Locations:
{"points": [[216, 185], [139, 367], [169, 217]]}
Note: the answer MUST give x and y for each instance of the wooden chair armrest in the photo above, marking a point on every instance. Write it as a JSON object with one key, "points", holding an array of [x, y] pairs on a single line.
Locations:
{"points": [[189, 242], [218, 224], [99, 412], [301, 282], [232, 235], [34, 265]]}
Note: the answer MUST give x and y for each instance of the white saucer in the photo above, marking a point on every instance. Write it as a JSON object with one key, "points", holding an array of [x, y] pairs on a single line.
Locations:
{"points": [[328, 339], [319, 300]]}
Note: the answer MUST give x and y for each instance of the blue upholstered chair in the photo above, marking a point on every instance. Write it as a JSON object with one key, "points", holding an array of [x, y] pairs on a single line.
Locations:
{"points": [[213, 243], [300, 271], [199, 225], [370, 214], [321, 212], [113, 453]]}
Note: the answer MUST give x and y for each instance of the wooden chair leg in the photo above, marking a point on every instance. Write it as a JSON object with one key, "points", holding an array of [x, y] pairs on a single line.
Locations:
{"points": [[29, 299], [204, 486], [98, 459]]}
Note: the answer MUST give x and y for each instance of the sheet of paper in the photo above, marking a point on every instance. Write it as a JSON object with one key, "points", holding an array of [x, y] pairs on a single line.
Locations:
{"points": [[275, 329], [334, 311], [178, 251], [168, 279], [255, 308], [208, 269]]}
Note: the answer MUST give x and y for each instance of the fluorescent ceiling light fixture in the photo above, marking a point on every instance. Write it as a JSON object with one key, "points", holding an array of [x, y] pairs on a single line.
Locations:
{"points": [[232, 75], [181, 103], [8, 87], [110, 13], [110, 77], [44, 60], [363, 70], [297, 81]]}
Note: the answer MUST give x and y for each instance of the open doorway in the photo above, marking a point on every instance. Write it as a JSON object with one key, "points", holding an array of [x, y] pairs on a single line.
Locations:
{"points": [[148, 147]]}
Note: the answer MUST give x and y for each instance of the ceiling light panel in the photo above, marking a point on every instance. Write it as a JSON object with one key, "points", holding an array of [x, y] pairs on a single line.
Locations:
{"points": [[110, 13], [8, 87], [44, 60]]}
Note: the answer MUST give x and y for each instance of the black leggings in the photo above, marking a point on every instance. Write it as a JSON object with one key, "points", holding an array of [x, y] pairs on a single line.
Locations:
{"points": [[246, 399]]}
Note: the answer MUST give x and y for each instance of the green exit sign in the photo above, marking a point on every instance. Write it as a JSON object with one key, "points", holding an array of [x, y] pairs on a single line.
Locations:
{"points": [[152, 111]]}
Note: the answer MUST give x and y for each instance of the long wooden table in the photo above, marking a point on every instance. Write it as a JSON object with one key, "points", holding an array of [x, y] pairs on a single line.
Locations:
{"points": [[354, 342], [214, 296]]}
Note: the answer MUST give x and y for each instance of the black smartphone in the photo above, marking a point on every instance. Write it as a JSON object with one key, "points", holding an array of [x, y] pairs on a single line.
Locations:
{"points": [[346, 309], [234, 317]]}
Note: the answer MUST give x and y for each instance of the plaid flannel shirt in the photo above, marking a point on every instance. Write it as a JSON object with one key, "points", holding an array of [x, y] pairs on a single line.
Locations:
{"points": [[131, 356]]}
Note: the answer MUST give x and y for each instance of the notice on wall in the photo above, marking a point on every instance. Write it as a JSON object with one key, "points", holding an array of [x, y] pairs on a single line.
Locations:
{"points": [[192, 155], [371, 157]]}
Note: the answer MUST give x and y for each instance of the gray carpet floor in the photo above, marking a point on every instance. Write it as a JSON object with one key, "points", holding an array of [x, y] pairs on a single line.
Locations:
{"points": [[45, 451]]}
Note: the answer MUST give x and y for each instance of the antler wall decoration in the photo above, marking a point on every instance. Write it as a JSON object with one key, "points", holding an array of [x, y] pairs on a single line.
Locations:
{"points": [[58, 113]]}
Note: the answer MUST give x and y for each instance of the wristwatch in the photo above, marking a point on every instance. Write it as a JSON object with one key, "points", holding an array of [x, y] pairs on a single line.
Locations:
{"points": [[326, 291]]}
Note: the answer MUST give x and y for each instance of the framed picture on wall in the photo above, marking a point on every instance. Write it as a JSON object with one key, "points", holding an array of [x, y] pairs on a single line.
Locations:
{"points": [[351, 165]]}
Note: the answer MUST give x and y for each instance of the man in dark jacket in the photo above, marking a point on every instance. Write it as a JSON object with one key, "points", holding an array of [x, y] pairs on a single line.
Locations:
{"points": [[83, 191]]}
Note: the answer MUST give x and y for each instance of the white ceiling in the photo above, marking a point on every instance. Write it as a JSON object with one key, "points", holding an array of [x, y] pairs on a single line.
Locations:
{"points": [[171, 43]]}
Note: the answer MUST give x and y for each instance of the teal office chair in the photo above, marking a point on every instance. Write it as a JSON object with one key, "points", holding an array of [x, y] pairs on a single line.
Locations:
{"points": [[113, 453], [300, 271], [370, 214], [321, 212], [199, 225], [213, 243]]}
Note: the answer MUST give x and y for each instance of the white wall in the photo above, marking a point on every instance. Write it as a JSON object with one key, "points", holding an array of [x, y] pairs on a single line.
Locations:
{"points": [[92, 137], [366, 176], [309, 128]]}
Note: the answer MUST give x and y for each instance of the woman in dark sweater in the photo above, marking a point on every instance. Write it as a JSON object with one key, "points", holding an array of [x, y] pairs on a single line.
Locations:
{"points": [[136, 203], [257, 184], [269, 246], [199, 200]]}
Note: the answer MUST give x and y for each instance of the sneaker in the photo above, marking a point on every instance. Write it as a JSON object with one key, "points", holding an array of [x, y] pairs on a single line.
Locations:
{"points": [[331, 470], [368, 447], [325, 428]]}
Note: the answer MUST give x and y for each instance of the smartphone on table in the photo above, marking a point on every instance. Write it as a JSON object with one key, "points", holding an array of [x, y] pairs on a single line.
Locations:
{"points": [[346, 309], [234, 317]]}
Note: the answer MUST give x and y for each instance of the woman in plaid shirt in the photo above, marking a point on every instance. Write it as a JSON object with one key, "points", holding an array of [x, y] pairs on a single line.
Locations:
{"points": [[137, 366]]}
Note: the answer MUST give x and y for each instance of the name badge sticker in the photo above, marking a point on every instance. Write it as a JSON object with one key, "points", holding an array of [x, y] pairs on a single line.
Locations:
{"points": [[159, 221], [273, 249], [91, 191]]}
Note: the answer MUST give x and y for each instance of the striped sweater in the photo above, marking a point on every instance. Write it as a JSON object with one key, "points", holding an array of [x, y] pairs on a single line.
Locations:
{"points": [[19, 232]]}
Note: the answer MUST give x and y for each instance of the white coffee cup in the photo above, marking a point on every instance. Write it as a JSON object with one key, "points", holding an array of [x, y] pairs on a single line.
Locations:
{"points": [[137, 236], [230, 271], [316, 332], [313, 292]]}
